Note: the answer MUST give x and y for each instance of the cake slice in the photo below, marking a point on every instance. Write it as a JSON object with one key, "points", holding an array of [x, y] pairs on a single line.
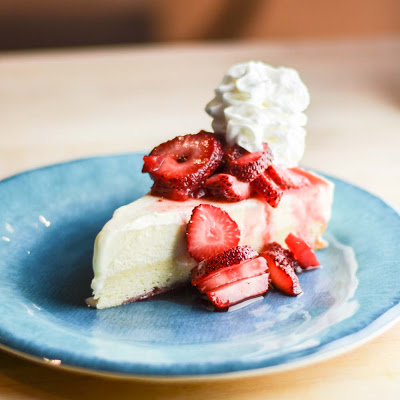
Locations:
{"points": [[245, 168], [142, 250]]}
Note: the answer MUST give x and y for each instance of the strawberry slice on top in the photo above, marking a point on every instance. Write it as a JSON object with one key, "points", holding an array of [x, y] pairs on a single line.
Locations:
{"points": [[181, 165], [250, 165], [227, 187], [210, 231], [265, 187], [232, 153], [302, 252]]}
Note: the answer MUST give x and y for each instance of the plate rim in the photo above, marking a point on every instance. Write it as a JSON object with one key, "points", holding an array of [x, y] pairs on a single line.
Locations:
{"points": [[225, 376], [378, 326]]}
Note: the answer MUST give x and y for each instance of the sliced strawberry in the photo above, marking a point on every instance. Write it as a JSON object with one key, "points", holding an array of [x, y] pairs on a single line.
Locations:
{"points": [[228, 295], [246, 269], [210, 231], [199, 193], [302, 251], [285, 178], [265, 187], [281, 265], [183, 164], [227, 187], [250, 165], [228, 258], [232, 153], [163, 189], [152, 163]]}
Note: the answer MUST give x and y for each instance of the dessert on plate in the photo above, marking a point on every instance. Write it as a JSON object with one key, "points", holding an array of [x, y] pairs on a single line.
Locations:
{"points": [[229, 211]]}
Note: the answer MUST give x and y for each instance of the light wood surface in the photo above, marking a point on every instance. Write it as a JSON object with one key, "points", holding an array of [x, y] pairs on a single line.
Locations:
{"points": [[58, 106]]}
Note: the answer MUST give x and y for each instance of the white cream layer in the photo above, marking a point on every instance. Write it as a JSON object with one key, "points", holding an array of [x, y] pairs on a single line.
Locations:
{"points": [[144, 245]]}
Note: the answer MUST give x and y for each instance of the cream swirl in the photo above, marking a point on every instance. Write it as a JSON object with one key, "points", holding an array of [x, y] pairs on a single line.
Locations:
{"points": [[256, 103]]}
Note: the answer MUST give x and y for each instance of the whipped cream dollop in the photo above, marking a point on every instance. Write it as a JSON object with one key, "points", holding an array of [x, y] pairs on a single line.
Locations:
{"points": [[256, 103]]}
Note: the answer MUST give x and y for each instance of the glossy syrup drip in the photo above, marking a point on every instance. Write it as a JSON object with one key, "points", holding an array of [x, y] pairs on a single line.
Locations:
{"points": [[208, 306]]}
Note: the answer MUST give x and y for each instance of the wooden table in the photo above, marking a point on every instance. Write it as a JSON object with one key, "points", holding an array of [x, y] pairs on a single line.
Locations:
{"points": [[56, 106]]}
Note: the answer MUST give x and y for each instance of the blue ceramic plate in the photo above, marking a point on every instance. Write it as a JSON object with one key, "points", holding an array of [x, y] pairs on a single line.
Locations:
{"points": [[48, 221]]}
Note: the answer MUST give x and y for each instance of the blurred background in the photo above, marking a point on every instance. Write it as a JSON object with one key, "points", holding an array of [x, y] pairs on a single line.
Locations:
{"points": [[26, 24]]}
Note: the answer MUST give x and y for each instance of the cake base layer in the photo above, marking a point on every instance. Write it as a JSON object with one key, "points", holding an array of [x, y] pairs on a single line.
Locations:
{"points": [[143, 247], [155, 292]]}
